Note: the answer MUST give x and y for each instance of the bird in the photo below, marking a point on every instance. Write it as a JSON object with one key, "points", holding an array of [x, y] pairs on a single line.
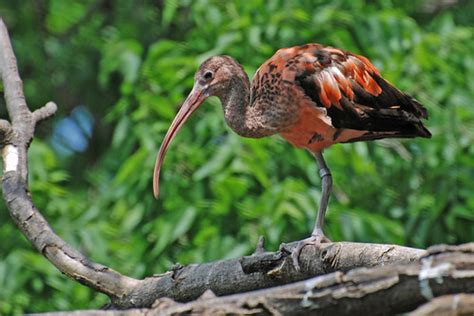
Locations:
{"points": [[312, 95]]}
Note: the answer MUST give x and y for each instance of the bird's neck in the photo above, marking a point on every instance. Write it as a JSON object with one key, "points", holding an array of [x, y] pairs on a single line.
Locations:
{"points": [[239, 113]]}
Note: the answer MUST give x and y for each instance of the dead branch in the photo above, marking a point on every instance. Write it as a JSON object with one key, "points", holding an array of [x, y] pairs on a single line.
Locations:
{"points": [[16, 139], [382, 290], [377, 291]]}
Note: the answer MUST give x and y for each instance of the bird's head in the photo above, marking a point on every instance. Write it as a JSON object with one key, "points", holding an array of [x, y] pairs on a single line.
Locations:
{"points": [[213, 78]]}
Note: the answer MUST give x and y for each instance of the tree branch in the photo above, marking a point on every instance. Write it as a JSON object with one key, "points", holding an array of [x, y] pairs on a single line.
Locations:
{"points": [[382, 290], [263, 270], [16, 139], [377, 291]]}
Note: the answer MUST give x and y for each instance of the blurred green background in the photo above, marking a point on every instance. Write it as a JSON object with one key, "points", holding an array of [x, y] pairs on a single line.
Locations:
{"points": [[120, 69]]}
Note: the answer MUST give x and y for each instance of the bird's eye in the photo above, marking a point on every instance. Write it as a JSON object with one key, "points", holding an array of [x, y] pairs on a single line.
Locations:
{"points": [[208, 75]]}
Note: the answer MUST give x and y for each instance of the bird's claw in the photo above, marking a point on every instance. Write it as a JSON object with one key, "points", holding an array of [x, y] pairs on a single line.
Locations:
{"points": [[317, 239]]}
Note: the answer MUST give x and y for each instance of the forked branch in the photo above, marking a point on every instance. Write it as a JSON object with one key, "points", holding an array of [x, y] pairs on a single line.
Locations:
{"points": [[16, 137]]}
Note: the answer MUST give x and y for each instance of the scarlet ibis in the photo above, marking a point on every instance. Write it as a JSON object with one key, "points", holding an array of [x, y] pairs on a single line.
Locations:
{"points": [[312, 95]]}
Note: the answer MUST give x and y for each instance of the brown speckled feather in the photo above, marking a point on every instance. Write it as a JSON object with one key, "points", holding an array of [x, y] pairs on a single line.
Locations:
{"points": [[317, 96]]}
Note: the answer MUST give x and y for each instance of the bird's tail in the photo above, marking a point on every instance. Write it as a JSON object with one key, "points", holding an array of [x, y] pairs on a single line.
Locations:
{"points": [[393, 123]]}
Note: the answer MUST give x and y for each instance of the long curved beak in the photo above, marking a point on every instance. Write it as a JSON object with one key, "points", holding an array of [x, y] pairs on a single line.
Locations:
{"points": [[192, 102]]}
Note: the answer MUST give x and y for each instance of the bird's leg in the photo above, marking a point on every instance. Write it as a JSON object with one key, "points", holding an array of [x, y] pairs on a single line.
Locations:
{"points": [[317, 236], [326, 184]]}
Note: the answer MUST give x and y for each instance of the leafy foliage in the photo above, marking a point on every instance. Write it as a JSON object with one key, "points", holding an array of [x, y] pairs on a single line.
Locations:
{"points": [[127, 66]]}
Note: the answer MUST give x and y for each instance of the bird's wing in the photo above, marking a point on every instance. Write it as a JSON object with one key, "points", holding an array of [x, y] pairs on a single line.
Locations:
{"points": [[351, 88]]}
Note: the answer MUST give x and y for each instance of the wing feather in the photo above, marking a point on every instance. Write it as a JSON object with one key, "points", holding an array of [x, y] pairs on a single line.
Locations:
{"points": [[355, 95]]}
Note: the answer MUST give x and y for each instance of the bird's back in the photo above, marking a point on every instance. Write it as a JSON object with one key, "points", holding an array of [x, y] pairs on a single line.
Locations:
{"points": [[318, 96]]}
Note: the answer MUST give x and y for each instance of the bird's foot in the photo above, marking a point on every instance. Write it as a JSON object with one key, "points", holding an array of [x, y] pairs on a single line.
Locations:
{"points": [[315, 239]]}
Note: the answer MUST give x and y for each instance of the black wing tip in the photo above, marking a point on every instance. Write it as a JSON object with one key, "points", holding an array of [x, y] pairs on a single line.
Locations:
{"points": [[422, 113], [423, 131], [421, 110], [398, 97]]}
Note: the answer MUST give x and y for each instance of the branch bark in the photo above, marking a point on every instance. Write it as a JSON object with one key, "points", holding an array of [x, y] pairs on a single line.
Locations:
{"points": [[447, 305], [377, 291]]}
